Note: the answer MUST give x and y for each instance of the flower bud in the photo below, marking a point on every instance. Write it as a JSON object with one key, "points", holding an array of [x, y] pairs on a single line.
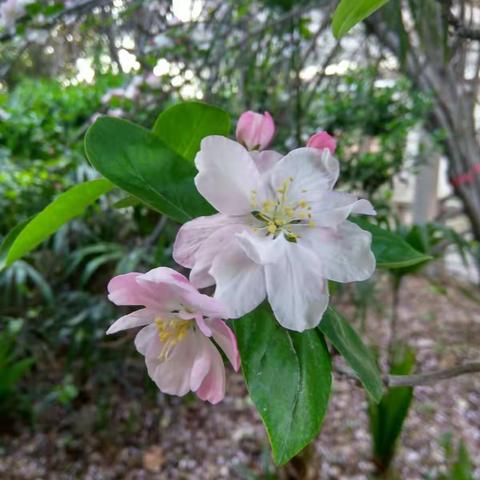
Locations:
{"points": [[255, 130], [322, 140]]}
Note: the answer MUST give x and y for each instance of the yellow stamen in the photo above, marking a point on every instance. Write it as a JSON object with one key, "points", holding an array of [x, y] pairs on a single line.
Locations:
{"points": [[170, 333], [278, 216], [267, 206], [271, 228]]}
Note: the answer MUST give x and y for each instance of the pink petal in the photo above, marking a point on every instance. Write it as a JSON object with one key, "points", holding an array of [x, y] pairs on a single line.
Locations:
{"points": [[203, 325], [138, 318], [170, 288], [125, 290], [205, 305], [322, 140], [202, 362], [173, 376], [212, 388], [144, 337], [227, 175], [227, 341], [255, 130]]}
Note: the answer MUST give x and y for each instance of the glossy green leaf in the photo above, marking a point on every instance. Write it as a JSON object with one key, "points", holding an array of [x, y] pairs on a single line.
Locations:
{"points": [[389, 248], [350, 12], [183, 126], [288, 376], [137, 161], [346, 340], [25, 237]]}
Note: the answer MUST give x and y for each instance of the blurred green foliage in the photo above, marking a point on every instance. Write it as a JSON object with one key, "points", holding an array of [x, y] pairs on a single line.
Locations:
{"points": [[12, 368], [41, 142], [387, 418]]}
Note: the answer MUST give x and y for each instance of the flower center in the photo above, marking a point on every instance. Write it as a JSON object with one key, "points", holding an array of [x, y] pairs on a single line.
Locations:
{"points": [[170, 333], [278, 215]]}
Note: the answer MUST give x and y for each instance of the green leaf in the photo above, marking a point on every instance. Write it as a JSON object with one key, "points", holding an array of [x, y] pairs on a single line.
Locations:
{"points": [[389, 248], [346, 340], [126, 202], [28, 235], [183, 126], [463, 467], [288, 376], [141, 164], [350, 12], [388, 417]]}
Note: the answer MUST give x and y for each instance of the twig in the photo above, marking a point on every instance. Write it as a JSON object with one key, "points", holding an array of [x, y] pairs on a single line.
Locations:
{"points": [[427, 378], [81, 7], [432, 377], [152, 238]]}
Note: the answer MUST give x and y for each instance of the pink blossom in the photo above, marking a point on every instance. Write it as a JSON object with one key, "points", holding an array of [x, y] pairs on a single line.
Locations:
{"points": [[254, 130], [281, 232], [178, 323], [322, 140]]}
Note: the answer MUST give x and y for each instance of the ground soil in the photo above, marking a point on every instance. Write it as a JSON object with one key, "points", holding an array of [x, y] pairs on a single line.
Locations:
{"points": [[138, 435]]}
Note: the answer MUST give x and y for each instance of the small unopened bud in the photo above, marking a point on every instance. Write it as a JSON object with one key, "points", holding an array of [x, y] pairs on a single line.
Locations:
{"points": [[322, 141], [255, 130]]}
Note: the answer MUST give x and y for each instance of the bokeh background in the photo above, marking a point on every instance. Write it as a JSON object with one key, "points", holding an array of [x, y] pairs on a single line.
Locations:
{"points": [[399, 93]]}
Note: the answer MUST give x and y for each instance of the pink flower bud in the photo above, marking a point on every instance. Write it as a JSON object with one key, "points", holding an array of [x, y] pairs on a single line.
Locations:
{"points": [[255, 130], [322, 140]]}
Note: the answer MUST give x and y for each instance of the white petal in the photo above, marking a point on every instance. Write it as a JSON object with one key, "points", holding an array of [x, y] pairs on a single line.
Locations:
{"points": [[296, 290], [135, 319], [344, 252], [266, 159], [211, 247], [192, 234], [260, 249], [240, 282], [227, 175], [311, 171], [335, 207]]}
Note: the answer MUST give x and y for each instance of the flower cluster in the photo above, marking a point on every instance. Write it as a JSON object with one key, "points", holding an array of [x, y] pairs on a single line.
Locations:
{"points": [[281, 233]]}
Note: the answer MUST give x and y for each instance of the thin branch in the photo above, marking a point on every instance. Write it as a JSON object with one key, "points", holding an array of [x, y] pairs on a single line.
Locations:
{"points": [[426, 378], [79, 8], [432, 377]]}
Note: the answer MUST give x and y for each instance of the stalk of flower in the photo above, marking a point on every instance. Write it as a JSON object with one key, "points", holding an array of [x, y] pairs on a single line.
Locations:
{"points": [[281, 232], [178, 324]]}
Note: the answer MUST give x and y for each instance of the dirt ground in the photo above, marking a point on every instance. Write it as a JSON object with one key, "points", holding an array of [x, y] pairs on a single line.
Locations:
{"points": [[169, 438]]}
